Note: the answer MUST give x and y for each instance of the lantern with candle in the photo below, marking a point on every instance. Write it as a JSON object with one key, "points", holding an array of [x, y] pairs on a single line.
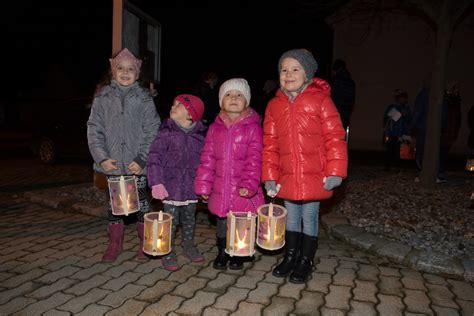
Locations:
{"points": [[470, 165], [157, 233], [240, 234], [123, 195], [271, 226]]}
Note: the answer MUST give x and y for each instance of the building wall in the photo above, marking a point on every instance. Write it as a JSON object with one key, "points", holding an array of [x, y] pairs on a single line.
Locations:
{"points": [[398, 54]]}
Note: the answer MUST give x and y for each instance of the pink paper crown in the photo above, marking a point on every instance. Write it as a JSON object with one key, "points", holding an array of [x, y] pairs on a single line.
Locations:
{"points": [[125, 54]]}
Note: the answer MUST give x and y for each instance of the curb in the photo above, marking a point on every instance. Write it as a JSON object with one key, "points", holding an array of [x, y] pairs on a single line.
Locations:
{"points": [[50, 198], [338, 226]]}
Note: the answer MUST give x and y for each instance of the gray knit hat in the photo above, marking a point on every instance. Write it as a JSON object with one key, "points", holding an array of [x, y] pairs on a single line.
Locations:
{"points": [[305, 58]]}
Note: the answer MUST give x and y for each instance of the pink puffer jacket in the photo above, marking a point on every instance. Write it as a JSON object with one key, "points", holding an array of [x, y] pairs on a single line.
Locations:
{"points": [[232, 159]]}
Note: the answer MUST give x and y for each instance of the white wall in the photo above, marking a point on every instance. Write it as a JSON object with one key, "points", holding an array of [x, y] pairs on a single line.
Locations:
{"points": [[399, 55]]}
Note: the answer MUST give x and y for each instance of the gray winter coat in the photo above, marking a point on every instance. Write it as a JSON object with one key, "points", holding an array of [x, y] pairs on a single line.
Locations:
{"points": [[122, 125]]}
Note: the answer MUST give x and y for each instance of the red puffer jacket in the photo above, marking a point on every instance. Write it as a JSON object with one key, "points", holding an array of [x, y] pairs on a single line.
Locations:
{"points": [[303, 142]]}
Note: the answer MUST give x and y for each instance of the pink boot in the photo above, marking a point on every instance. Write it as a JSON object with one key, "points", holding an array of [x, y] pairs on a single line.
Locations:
{"points": [[115, 242], [141, 232]]}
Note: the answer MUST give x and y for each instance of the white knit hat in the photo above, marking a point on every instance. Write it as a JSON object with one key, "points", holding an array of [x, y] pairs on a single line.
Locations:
{"points": [[238, 84]]}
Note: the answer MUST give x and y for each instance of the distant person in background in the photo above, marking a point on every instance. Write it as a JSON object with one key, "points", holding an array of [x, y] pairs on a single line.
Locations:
{"points": [[206, 89], [396, 121], [343, 90], [270, 87], [470, 124], [121, 127]]}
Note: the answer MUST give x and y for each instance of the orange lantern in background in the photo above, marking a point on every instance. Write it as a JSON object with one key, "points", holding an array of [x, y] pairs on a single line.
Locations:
{"points": [[123, 195], [240, 234], [271, 226], [157, 233]]}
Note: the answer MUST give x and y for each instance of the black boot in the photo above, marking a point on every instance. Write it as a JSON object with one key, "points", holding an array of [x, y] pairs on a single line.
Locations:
{"points": [[220, 263], [236, 263], [292, 244], [304, 265]]}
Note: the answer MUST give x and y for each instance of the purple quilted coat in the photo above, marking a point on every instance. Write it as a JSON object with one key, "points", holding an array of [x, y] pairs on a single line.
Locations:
{"points": [[174, 158], [232, 159]]}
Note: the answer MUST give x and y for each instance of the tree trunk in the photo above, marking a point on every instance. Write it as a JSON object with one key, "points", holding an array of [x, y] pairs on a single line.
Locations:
{"points": [[433, 127]]}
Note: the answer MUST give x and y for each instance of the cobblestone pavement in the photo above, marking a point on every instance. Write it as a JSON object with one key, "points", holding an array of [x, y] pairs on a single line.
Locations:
{"points": [[50, 265]]}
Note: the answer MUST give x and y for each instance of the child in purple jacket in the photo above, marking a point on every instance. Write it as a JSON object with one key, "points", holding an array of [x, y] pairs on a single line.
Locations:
{"points": [[172, 163], [231, 161]]}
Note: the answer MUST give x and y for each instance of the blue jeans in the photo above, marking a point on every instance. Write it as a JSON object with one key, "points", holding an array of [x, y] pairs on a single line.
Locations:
{"points": [[303, 212]]}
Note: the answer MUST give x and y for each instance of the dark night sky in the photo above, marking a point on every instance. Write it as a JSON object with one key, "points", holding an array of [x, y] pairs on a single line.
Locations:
{"points": [[52, 46]]}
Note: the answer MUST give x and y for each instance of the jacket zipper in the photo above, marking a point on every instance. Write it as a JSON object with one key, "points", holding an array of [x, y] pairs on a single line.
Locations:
{"points": [[293, 141], [226, 174]]}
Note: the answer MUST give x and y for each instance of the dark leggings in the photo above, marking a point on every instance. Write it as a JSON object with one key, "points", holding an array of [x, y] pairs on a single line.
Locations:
{"points": [[184, 215], [221, 227], [143, 196]]}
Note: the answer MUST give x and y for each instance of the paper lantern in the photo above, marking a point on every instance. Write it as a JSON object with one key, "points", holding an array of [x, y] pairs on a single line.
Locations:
{"points": [[157, 233], [123, 195], [470, 165], [271, 226], [240, 234]]}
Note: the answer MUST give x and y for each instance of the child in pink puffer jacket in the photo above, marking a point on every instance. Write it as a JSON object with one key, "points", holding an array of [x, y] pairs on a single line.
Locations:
{"points": [[231, 161]]}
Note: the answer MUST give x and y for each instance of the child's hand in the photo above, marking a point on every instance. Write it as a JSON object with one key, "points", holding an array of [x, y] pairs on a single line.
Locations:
{"points": [[272, 188], [134, 167], [243, 192], [109, 165], [159, 192], [331, 182], [205, 197]]}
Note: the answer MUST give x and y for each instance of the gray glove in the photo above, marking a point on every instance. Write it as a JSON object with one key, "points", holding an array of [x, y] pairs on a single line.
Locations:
{"points": [[332, 182], [272, 188]]}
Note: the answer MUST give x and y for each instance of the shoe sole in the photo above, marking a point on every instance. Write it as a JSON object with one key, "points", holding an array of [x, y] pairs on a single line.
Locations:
{"points": [[220, 268], [281, 275]]}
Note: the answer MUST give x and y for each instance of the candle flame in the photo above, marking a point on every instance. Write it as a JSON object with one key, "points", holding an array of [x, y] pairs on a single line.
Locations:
{"points": [[241, 241]]}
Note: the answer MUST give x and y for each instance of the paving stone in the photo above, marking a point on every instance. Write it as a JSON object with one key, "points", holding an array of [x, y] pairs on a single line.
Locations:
{"points": [[10, 265], [94, 309], [28, 266], [40, 307], [362, 308], [231, 299], [270, 278], [263, 293], [97, 250], [117, 271], [279, 306], [345, 264], [365, 291], [309, 303], [338, 297], [115, 299], [417, 302], [48, 290], [327, 265], [82, 287], [221, 283], [332, 312], [188, 288], [22, 278], [211, 311], [368, 273], [344, 277], [395, 251], [117, 283], [196, 305], [183, 274], [55, 312], [291, 290], [78, 303], [265, 263], [445, 311], [319, 282], [246, 309], [462, 289], [16, 291], [58, 264], [434, 279], [385, 271], [208, 272], [148, 266], [467, 307], [390, 286], [15, 305], [250, 279], [90, 261], [52, 277], [413, 280], [38, 255], [87, 273], [440, 295], [131, 307], [389, 305], [154, 293], [150, 279], [432, 262]]}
